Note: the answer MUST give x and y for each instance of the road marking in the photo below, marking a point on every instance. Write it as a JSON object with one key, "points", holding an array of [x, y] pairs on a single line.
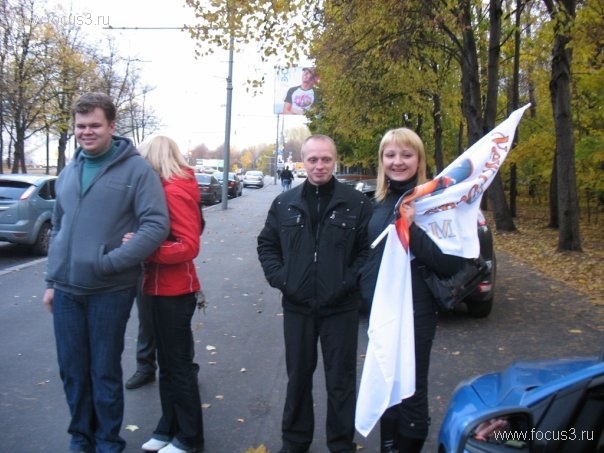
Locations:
{"points": [[19, 267]]}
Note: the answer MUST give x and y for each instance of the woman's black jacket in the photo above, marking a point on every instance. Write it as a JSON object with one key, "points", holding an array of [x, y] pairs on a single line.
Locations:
{"points": [[423, 248]]}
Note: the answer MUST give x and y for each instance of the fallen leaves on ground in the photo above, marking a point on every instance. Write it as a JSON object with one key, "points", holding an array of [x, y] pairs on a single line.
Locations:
{"points": [[259, 449], [536, 245]]}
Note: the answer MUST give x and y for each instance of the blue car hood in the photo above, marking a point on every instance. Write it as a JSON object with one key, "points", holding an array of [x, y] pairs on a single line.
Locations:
{"points": [[518, 385]]}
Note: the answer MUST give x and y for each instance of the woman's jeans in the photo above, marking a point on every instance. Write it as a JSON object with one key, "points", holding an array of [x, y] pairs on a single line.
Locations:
{"points": [[181, 421], [89, 333]]}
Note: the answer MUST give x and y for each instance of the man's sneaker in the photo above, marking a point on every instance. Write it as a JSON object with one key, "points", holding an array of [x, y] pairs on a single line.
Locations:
{"points": [[154, 445], [139, 379]]}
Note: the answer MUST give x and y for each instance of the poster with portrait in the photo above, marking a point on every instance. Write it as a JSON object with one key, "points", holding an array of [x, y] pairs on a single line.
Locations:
{"points": [[295, 90]]}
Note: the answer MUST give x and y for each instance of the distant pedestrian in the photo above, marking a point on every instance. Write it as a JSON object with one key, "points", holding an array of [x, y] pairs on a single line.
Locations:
{"points": [[311, 248], [106, 191], [286, 179]]}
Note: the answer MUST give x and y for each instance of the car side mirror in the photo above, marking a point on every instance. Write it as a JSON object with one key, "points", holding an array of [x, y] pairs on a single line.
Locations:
{"points": [[508, 431]]}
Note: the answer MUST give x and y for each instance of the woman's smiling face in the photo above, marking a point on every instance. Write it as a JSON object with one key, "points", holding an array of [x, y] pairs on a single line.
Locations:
{"points": [[400, 162]]}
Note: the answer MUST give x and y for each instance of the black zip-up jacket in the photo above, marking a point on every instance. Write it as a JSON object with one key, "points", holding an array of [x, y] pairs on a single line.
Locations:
{"points": [[424, 249], [317, 272]]}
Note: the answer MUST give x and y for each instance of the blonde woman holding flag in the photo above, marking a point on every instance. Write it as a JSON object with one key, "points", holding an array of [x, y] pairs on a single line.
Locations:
{"points": [[432, 227], [402, 166]]}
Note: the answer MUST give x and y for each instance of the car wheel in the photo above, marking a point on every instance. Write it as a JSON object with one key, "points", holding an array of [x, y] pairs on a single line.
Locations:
{"points": [[40, 247], [480, 309]]}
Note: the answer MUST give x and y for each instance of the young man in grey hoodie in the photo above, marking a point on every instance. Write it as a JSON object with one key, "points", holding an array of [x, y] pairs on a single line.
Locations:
{"points": [[106, 191]]}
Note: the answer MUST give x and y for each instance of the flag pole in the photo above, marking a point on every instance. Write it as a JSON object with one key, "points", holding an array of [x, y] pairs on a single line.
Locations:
{"points": [[379, 239]]}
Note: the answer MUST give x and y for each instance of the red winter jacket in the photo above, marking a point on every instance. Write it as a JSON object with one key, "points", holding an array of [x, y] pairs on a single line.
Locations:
{"points": [[170, 271]]}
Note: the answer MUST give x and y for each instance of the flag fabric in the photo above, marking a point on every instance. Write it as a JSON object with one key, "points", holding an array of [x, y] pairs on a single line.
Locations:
{"points": [[389, 370], [447, 209]]}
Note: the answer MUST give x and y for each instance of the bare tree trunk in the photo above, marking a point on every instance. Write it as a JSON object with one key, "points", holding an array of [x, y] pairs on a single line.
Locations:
{"points": [[47, 171], [568, 203], [438, 133], [553, 196], [460, 139], [471, 104], [19, 154], [513, 190], [515, 100], [62, 147], [496, 193]]}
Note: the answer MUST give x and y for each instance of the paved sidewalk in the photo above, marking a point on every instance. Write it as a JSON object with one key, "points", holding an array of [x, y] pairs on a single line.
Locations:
{"points": [[239, 345]]}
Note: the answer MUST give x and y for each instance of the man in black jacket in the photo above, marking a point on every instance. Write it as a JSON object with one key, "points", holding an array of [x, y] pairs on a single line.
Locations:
{"points": [[286, 179], [312, 248]]}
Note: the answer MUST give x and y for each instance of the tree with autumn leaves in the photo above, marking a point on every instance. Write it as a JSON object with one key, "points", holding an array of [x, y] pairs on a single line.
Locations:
{"points": [[448, 69], [44, 65]]}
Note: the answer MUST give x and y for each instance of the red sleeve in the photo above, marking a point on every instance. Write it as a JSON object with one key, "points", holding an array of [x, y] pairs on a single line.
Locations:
{"points": [[183, 242]]}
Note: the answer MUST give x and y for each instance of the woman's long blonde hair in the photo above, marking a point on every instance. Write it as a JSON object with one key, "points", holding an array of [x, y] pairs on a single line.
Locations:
{"points": [[399, 137], [164, 156]]}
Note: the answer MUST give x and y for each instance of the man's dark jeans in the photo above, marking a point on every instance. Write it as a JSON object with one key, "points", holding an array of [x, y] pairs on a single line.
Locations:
{"points": [[89, 333]]}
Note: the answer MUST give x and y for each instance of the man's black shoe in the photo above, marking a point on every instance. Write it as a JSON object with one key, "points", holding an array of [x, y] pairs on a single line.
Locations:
{"points": [[139, 379]]}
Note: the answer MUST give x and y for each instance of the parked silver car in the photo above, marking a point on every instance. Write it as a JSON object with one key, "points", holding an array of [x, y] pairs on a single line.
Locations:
{"points": [[253, 178], [26, 205]]}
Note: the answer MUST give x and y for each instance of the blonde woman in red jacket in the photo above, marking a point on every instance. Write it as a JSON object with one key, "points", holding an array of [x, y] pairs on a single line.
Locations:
{"points": [[170, 285]]}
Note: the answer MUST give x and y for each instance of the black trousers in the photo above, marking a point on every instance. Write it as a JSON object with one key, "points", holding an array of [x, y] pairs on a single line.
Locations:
{"points": [[181, 420], [414, 416], [145, 344], [338, 337]]}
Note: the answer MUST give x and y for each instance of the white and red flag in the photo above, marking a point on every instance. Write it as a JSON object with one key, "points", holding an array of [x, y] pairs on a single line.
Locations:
{"points": [[447, 209]]}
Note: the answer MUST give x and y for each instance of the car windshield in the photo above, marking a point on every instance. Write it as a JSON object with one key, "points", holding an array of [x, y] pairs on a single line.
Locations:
{"points": [[12, 190], [203, 179], [254, 173]]}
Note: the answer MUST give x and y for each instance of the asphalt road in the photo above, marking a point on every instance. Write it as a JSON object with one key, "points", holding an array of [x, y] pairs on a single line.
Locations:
{"points": [[240, 348]]}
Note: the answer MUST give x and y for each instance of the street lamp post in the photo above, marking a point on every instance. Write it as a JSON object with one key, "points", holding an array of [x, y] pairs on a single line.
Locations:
{"points": [[227, 128], [276, 156]]}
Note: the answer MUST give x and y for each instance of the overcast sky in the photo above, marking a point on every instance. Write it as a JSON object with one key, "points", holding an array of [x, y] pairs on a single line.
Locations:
{"points": [[190, 95]]}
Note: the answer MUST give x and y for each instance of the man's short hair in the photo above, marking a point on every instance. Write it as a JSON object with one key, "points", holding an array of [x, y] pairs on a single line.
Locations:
{"points": [[87, 102], [321, 137]]}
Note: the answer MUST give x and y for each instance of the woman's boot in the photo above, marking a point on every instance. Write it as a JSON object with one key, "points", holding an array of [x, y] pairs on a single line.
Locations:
{"points": [[389, 431], [410, 444]]}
